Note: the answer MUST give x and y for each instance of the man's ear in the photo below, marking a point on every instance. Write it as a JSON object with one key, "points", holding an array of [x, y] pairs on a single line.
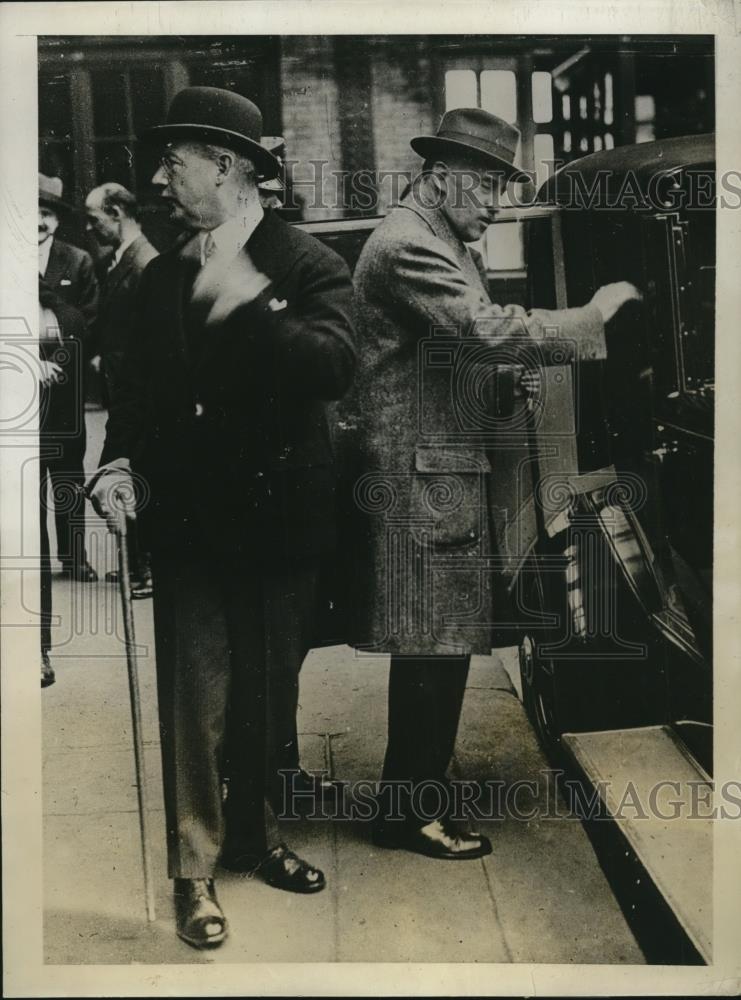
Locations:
{"points": [[115, 213], [439, 175], [440, 169], [225, 163]]}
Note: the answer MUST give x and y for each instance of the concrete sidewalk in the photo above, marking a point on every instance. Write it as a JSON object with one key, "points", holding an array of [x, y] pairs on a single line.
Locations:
{"points": [[540, 897]]}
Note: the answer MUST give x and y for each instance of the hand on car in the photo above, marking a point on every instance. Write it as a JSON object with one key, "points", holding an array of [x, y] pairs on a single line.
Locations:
{"points": [[610, 298], [530, 382], [113, 496], [49, 372]]}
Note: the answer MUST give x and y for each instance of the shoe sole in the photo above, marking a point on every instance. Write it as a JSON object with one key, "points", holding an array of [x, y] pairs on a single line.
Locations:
{"points": [[203, 945], [473, 855], [308, 891]]}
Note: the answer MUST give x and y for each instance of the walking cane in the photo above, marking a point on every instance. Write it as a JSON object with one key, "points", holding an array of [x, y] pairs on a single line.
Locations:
{"points": [[136, 712]]}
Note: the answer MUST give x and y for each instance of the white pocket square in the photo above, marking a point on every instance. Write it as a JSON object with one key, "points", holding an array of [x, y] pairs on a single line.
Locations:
{"points": [[275, 306], [65, 281]]}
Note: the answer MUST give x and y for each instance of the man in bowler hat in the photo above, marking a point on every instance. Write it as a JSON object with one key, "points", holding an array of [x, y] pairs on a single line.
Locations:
{"points": [[243, 334], [426, 588]]}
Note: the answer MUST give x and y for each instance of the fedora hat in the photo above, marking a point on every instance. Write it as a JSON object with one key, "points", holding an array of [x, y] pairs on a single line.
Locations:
{"points": [[476, 132], [50, 193], [210, 114]]}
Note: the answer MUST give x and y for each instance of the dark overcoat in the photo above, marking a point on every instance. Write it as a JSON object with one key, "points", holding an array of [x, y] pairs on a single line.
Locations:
{"points": [[227, 425], [441, 444], [70, 274], [62, 404], [117, 295]]}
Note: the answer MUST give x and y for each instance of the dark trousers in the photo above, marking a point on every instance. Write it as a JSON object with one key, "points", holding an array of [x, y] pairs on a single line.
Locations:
{"points": [[65, 474], [112, 372], [424, 706], [229, 647], [45, 578]]}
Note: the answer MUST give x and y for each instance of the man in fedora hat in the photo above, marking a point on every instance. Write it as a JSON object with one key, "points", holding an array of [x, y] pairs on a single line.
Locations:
{"points": [[271, 188], [243, 333], [429, 340], [69, 275]]}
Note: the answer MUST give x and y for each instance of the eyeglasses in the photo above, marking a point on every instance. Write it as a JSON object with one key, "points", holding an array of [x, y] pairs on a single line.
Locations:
{"points": [[171, 163]]}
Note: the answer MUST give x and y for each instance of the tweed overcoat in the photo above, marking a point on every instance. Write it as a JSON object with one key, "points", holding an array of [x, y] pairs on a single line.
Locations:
{"points": [[440, 438]]}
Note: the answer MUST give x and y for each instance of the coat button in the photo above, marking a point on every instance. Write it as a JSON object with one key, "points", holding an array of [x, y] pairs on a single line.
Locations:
{"points": [[199, 410]]}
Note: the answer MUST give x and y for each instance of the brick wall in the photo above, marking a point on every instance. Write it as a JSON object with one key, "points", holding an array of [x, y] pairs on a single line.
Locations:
{"points": [[402, 108], [310, 122]]}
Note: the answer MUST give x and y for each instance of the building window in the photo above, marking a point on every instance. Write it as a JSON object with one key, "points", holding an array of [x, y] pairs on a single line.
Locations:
{"points": [[125, 102], [461, 89], [95, 100], [542, 84], [55, 126], [645, 115], [499, 93]]}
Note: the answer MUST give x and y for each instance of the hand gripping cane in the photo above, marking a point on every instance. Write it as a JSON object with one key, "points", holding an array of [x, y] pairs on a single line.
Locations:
{"points": [[120, 531]]}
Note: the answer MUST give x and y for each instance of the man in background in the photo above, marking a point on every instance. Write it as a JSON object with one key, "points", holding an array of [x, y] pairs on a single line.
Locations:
{"points": [[69, 276], [112, 217], [61, 415]]}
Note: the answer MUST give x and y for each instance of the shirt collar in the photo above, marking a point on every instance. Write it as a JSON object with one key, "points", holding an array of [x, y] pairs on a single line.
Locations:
{"points": [[231, 236], [422, 199], [122, 248], [44, 251]]}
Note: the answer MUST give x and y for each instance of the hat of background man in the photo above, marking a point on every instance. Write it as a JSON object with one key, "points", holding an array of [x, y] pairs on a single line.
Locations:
{"points": [[50, 193], [210, 114], [476, 132], [276, 145]]}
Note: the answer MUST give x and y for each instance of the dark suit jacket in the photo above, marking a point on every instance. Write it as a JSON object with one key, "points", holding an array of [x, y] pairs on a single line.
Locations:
{"points": [[71, 275], [62, 405], [228, 425], [117, 295]]}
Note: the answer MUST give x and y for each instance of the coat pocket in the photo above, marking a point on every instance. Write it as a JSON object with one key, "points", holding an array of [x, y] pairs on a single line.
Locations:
{"points": [[448, 497]]}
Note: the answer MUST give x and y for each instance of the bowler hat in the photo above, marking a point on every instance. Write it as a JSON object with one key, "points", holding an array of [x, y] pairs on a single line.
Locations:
{"points": [[210, 114], [50, 193], [475, 132]]}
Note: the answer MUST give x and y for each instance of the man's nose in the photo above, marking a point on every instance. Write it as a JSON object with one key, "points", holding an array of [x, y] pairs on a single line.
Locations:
{"points": [[160, 177]]}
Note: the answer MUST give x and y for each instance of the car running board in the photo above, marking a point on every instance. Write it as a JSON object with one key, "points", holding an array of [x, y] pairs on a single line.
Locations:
{"points": [[660, 867]]}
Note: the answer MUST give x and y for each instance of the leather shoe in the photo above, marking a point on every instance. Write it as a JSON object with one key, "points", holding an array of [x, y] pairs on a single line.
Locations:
{"points": [[440, 839], [47, 671], [198, 917], [83, 572], [142, 588], [280, 868]]}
